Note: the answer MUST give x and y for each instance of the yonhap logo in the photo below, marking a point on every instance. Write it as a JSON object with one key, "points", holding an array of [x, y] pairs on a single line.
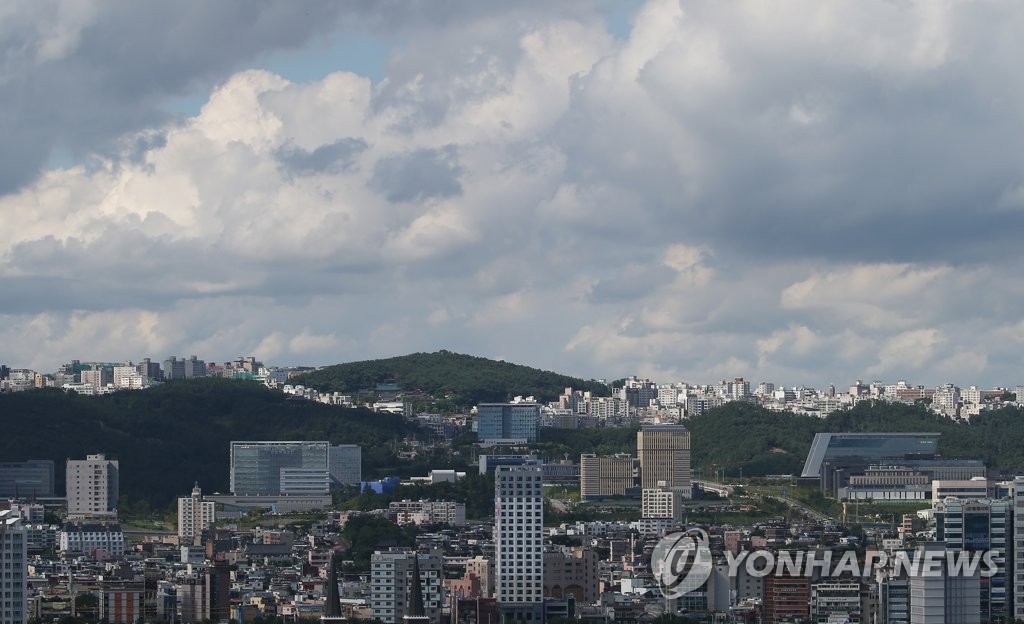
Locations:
{"points": [[681, 562]]}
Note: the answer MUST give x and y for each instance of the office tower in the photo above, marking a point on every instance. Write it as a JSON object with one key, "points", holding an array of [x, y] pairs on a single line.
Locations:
{"points": [[193, 367], [272, 468], [391, 584], [194, 516], [519, 538], [977, 526], [26, 479], [150, 370], [605, 476], [893, 605], [174, 369], [345, 463], [508, 421], [13, 554], [944, 598], [664, 453], [92, 486]]}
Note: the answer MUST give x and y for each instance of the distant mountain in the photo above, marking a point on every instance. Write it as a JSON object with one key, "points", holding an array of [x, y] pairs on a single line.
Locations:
{"points": [[464, 379], [168, 437]]}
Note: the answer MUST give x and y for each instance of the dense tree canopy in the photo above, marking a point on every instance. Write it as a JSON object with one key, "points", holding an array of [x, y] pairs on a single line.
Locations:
{"points": [[169, 437], [464, 379]]}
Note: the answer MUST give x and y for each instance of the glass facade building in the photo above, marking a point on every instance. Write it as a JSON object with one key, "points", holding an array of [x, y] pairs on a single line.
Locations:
{"points": [[257, 467], [508, 421]]}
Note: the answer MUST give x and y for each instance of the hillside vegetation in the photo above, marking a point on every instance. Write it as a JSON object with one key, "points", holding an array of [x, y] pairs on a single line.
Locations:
{"points": [[464, 380], [764, 442], [169, 437]]}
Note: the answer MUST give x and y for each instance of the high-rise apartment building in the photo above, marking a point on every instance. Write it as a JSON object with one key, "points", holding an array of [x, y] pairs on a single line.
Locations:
{"points": [[270, 468], [92, 486], [14, 558], [606, 476], [519, 538], [508, 421], [194, 516], [345, 462], [664, 453], [391, 584]]}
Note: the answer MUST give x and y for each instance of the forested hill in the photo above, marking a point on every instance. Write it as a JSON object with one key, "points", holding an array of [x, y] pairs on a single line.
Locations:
{"points": [[168, 437], [740, 435], [464, 379]]}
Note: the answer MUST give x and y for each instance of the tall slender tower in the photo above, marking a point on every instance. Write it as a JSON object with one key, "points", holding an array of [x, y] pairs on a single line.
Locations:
{"points": [[519, 538], [13, 552]]}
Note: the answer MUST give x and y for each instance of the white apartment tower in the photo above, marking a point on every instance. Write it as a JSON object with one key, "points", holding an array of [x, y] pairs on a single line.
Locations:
{"points": [[194, 516], [13, 549], [519, 535], [92, 486]]}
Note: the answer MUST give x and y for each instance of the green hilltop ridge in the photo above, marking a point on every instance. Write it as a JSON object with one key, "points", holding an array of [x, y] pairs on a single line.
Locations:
{"points": [[171, 436], [167, 438], [464, 380]]}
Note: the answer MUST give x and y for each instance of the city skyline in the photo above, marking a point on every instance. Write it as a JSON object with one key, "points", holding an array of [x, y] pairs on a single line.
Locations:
{"points": [[841, 385], [676, 190]]}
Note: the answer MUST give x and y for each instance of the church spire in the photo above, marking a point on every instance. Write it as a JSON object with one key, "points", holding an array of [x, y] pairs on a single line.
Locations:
{"points": [[332, 610], [416, 591]]}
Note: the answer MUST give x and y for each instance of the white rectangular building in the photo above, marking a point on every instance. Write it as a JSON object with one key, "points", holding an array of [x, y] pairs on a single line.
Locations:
{"points": [[92, 486], [195, 515]]}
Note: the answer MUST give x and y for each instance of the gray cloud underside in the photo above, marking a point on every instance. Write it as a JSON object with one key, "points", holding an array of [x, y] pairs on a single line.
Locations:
{"points": [[825, 192]]}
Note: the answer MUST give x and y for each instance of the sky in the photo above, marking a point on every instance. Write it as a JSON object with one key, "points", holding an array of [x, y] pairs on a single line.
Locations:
{"points": [[798, 192]]}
